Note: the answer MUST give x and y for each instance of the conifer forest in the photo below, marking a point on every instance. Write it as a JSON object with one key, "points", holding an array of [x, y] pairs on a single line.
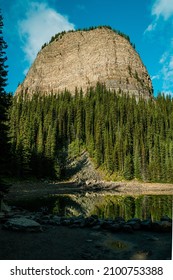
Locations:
{"points": [[126, 137]]}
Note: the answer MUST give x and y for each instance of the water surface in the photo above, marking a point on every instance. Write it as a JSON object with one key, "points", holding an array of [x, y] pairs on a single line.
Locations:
{"points": [[112, 206]]}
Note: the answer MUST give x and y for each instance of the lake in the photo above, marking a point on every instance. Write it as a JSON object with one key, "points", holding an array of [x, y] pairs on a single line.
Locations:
{"points": [[112, 206]]}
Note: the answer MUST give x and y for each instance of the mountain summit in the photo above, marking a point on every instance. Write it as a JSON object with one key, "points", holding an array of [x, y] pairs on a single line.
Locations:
{"points": [[80, 59]]}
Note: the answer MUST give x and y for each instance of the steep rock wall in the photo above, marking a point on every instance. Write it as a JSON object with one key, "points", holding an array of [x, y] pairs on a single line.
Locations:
{"points": [[83, 58]]}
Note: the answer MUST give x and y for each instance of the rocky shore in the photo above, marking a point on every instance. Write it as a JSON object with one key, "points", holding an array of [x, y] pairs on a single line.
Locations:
{"points": [[23, 220], [40, 235]]}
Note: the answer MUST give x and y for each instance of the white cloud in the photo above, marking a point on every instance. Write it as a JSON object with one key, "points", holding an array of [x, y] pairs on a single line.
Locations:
{"points": [[151, 27], [163, 8], [160, 9], [166, 71], [156, 77], [171, 62], [161, 27], [39, 24], [164, 57]]}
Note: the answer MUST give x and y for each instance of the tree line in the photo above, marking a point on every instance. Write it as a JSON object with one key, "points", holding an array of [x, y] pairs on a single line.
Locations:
{"points": [[61, 34], [125, 137]]}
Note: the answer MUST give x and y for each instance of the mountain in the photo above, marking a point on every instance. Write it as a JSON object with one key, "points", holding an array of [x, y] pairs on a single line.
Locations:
{"points": [[83, 58]]}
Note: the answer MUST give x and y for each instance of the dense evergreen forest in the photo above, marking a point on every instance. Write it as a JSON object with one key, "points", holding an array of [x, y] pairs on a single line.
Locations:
{"points": [[125, 137]]}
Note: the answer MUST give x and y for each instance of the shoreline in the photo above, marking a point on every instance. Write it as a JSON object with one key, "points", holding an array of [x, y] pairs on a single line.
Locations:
{"points": [[42, 188], [72, 242]]}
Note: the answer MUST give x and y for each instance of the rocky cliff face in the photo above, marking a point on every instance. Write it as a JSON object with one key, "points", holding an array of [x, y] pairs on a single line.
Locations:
{"points": [[83, 58]]}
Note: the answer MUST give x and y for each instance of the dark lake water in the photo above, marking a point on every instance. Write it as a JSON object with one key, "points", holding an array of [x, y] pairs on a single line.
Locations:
{"points": [[104, 206], [142, 207], [112, 206]]}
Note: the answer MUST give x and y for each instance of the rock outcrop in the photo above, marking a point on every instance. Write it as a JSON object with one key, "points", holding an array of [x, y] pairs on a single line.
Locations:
{"points": [[83, 58], [22, 224], [26, 221]]}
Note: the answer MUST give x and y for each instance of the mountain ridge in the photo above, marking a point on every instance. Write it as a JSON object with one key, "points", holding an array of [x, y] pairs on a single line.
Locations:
{"points": [[80, 59]]}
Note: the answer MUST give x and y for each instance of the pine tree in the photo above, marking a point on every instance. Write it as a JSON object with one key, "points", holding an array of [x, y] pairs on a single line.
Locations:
{"points": [[4, 105], [3, 58]]}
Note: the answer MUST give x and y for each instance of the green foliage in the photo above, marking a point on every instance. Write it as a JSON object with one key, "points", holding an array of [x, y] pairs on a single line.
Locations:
{"points": [[125, 137], [5, 100], [128, 207]]}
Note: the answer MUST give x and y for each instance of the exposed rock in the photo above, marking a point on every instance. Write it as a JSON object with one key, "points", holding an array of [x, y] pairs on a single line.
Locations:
{"points": [[142, 255], [83, 58], [146, 224], [166, 226], [127, 228], [82, 171], [22, 220], [116, 227], [134, 223], [89, 221], [56, 220], [152, 238], [2, 217], [107, 225], [162, 226], [119, 219], [166, 218], [22, 224], [4, 207]]}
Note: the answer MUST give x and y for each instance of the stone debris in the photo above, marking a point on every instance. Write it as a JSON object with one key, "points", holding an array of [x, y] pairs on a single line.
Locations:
{"points": [[23, 220], [22, 224]]}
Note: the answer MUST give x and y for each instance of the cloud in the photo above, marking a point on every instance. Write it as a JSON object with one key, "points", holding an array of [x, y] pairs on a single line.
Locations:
{"points": [[151, 27], [156, 77], [40, 22], [161, 28], [164, 57], [163, 8], [166, 71]]}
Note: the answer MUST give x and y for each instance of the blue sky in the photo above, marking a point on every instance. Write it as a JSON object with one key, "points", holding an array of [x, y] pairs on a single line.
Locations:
{"points": [[28, 24]]}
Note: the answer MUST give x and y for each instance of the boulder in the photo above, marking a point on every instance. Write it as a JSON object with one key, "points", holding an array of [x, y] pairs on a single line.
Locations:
{"points": [[127, 228], [156, 226], [89, 221], [146, 224], [22, 224], [134, 223], [119, 220], [107, 225], [166, 218], [4, 207], [166, 226], [115, 227], [2, 217]]}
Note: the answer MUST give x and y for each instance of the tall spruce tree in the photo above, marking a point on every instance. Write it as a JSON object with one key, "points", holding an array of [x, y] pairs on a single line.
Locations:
{"points": [[4, 104]]}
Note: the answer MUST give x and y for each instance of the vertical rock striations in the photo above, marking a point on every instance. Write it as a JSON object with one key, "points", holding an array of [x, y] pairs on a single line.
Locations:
{"points": [[83, 58]]}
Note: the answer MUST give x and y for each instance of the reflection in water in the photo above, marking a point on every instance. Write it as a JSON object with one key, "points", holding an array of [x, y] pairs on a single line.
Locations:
{"points": [[112, 206], [142, 207]]}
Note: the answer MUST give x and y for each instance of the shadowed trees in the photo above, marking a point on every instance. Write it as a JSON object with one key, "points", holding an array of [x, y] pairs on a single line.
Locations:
{"points": [[126, 138]]}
